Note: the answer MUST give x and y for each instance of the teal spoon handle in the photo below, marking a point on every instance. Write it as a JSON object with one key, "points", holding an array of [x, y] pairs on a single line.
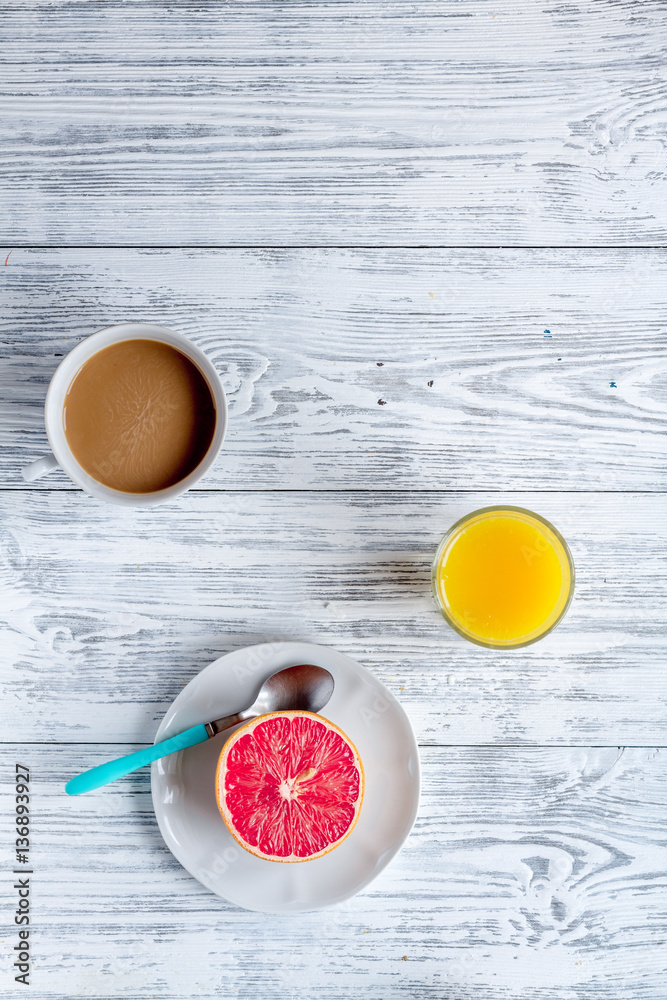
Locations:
{"points": [[106, 773]]}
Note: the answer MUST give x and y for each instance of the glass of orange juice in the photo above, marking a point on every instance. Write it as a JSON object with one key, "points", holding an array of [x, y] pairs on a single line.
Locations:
{"points": [[503, 577]]}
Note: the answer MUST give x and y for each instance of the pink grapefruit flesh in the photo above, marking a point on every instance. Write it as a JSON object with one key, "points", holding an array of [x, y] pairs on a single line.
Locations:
{"points": [[289, 786]]}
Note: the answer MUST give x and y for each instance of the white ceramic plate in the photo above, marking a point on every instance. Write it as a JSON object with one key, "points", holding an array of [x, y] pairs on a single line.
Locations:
{"points": [[184, 791]]}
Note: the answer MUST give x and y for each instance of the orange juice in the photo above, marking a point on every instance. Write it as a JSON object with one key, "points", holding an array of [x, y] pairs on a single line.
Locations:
{"points": [[503, 576]]}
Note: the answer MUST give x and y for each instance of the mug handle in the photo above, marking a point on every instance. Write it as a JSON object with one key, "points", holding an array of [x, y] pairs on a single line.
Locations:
{"points": [[39, 468]]}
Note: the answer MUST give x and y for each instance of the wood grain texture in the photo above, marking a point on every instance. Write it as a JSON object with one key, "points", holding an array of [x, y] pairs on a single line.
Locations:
{"points": [[376, 370], [108, 612], [532, 874], [443, 122], [376, 396]]}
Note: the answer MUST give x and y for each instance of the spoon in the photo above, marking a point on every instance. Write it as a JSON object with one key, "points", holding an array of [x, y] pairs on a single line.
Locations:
{"points": [[303, 688]]}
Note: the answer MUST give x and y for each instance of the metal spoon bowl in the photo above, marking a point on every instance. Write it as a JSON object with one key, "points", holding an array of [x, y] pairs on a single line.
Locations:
{"points": [[303, 688]]}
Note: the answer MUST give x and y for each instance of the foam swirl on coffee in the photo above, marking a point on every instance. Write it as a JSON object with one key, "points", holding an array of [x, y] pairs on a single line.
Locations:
{"points": [[139, 416]]}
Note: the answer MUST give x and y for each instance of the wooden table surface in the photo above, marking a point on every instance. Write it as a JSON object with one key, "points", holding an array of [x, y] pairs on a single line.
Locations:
{"points": [[424, 245]]}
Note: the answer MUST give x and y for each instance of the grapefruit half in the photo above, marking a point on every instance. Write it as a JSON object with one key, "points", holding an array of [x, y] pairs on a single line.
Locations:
{"points": [[289, 786]]}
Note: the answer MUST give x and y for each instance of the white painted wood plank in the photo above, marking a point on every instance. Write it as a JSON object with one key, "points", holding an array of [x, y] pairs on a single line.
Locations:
{"points": [[108, 612], [532, 874], [378, 370], [440, 122]]}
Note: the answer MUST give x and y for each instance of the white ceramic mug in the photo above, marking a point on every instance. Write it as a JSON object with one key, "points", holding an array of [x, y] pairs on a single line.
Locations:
{"points": [[55, 401]]}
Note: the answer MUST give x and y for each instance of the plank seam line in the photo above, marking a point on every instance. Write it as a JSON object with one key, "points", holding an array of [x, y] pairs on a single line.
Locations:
{"points": [[51, 490], [333, 246], [422, 746]]}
